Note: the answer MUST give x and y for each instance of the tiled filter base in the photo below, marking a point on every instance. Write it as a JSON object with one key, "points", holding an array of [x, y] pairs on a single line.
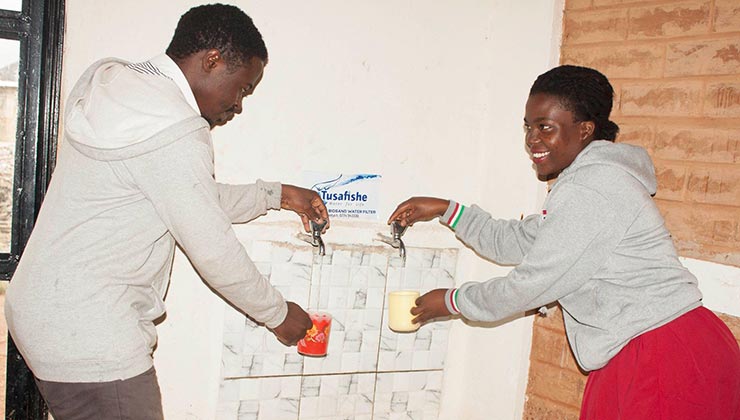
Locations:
{"points": [[370, 372], [352, 396]]}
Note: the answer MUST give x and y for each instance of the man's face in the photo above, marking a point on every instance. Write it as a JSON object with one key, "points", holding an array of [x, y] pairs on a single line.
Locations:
{"points": [[223, 89]]}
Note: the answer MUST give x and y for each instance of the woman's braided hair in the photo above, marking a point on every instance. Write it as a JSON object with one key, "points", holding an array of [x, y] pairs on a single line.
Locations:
{"points": [[583, 91], [223, 27]]}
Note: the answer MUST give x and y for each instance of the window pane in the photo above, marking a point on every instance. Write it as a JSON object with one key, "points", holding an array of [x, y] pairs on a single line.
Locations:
{"points": [[11, 5], [9, 53]]}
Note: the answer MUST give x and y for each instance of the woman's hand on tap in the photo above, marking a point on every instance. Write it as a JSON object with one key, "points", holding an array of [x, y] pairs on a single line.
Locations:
{"points": [[417, 209]]}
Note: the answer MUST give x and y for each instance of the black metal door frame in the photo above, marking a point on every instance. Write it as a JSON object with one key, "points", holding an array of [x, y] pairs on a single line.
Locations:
{"points": [[40, 29]]}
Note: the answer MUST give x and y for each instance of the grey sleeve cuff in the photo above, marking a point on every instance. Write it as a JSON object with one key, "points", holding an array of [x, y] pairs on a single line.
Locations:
{"points": [[452, 215], [274, 194], [451, 301], [279, 317], [448, 214]]}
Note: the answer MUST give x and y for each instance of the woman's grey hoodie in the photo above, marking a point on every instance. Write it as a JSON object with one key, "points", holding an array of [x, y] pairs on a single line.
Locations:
{"points": [[600, 248], [134, 177]]}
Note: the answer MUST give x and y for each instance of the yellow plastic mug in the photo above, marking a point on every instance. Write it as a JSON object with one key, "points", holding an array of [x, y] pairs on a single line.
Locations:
{"points": [[400, 303]]}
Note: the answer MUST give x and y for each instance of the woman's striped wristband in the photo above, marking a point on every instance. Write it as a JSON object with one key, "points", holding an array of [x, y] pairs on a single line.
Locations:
{"points": [[453, 214], [451, 301]]}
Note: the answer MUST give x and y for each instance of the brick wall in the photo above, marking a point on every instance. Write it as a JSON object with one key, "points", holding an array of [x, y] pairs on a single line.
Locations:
{"points": [[675, 68], [556, 384]]}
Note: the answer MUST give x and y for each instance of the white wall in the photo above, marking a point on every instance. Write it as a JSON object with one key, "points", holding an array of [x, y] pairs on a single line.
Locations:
{"points": [[430, 94]]}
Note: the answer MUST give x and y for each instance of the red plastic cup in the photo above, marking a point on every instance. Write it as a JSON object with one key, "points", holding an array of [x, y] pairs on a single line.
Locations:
{"points": [[316, 341]]}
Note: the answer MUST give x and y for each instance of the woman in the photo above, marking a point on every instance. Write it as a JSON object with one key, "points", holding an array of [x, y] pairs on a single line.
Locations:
{"points": [[633, 313]]}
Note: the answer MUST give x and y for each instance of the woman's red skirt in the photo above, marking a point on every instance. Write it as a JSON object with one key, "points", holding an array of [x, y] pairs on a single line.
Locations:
{"points": [[688, 369]]}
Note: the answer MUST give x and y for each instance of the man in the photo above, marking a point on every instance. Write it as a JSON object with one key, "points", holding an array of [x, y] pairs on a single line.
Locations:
{"points": [[134, 177]]}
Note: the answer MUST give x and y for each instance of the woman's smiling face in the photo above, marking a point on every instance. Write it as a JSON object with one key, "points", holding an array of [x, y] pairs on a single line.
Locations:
{"points": [[552, 135]]}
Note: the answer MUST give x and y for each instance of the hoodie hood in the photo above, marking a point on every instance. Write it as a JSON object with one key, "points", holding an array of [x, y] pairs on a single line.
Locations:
{"points": [[631, 159], [118, 111]]}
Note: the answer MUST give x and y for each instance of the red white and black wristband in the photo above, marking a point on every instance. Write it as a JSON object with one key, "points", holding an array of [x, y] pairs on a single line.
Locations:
{"points": [[451, 301]]}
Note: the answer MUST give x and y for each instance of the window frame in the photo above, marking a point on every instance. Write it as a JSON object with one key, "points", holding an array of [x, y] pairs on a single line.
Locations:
{"points": [[39, 27]]}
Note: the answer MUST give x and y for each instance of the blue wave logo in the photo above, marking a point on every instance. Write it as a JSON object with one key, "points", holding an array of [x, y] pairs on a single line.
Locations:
{"points": [[338, 181], [323, 187]]}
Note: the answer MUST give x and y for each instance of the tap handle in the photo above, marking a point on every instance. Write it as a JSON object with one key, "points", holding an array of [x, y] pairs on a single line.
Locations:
{"points": [[397, 230], [316, 229]]}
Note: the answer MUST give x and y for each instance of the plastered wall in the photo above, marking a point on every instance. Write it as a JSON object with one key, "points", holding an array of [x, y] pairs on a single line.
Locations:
{"points": [[431, 95], [428, 94]]}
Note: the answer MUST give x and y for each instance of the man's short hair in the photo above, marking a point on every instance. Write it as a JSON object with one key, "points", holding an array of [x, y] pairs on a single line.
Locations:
{"points": [[223, 27]]}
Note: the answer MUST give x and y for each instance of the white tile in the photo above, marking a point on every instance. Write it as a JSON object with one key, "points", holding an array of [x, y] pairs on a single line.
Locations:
{"points": [[436, 359], [427, 257], [376, 277], [411, 394], [448, 260], [350, 362], [352, 284], [327, 405], [332, 362], [352, 341], [399, 401], [231, 355], [375, 297], [342, 257], [314, 289], [345, 406], [411, 279], [303, 256], [377, 259], [359, 274], [396, 261], [420, 360], [309, 408], [233, 321], [250, 389], [228, 391], [422, 339], [358, 257], [393, 278], [341, 396], [268, 398], [339, 276], [440, 336], [279, 409], [416, 402], [288, 274]]}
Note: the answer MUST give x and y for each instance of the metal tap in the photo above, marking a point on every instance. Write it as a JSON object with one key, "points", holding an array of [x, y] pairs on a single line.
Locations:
{"points": [[395, 240], [398, 231], [315, 238]]}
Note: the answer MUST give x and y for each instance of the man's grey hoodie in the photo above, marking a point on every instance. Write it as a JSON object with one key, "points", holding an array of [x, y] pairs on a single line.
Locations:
{"points": [[135, 176], [600, 248]]}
